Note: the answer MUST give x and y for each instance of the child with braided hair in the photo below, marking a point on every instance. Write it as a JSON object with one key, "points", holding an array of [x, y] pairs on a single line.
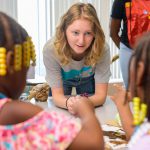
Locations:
{"points": [[137, 125], [27, 126]]}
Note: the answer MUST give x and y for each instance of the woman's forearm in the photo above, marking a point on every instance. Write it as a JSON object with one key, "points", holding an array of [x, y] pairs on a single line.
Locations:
{"points": [[60, 101], [97, 100], [100, 95]]}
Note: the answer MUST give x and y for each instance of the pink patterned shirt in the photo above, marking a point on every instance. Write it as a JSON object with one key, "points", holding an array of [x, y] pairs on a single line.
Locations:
{"points": [[45, 131]]}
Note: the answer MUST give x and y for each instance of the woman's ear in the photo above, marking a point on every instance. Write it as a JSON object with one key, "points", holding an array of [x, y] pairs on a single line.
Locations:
{"points": [[10, 62], [140, 71]]}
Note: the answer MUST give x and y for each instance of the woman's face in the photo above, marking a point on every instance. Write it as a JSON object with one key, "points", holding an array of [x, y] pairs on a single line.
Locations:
{"points": [[80, 36]]}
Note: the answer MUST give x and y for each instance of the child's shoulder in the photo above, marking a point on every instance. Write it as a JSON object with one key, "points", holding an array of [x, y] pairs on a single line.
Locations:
{"points": [[17, 111]]}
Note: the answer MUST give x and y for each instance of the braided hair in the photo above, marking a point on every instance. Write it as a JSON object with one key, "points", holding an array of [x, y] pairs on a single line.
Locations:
{"points": [[13, 37], [142, 53], [11, 32]]}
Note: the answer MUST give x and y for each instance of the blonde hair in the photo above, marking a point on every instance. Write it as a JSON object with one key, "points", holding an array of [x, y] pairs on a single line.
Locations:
{"points": [[62, 48]]}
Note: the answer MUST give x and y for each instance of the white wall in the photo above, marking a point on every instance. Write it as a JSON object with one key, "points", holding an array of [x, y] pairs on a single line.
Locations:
{"points": [[9, 7]]}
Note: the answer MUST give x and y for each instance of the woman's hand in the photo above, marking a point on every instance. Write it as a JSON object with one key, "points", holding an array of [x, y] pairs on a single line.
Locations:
{"points": [[80, 106]]}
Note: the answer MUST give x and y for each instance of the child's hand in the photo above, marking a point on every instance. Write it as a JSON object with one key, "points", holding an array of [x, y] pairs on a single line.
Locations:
{"points": [[120, 95], [80, 106]]}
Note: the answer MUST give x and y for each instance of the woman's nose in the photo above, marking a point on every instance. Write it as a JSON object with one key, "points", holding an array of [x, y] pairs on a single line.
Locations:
{"points": [[81, 39]]}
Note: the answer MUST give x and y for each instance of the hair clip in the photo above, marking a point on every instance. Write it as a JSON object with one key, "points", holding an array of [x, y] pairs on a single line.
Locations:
{"points": [[2, 61], [139, 111]]}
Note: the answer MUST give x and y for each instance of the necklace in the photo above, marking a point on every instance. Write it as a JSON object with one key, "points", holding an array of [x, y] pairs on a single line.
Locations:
{"points": [[2, 95]]}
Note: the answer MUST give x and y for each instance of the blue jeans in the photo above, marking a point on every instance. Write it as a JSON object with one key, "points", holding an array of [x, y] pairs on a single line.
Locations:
{"points": [[125, 55], [82, 85]]}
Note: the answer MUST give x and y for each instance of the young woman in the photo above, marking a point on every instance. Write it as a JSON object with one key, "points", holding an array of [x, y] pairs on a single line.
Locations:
{"points": [[78, 56]]}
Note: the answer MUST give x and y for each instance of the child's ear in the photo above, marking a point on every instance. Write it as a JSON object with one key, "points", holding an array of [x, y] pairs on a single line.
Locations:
{"points": [[140, 71], [10, 62]]}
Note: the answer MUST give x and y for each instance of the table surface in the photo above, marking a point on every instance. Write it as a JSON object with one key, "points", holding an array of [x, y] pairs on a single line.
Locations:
{"points": [[104, 113]]}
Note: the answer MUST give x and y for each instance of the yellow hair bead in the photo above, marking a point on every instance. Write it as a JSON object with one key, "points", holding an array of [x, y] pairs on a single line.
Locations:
{"points": [[2, 50], [2, 61], [26, 54], [136, 110], [139, 110], [143, 112], [18, 57], [23, 54]]}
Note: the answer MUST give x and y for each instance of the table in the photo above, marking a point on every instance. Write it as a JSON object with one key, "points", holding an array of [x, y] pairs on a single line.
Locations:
{"points": [[104, 113], [33, 82]]}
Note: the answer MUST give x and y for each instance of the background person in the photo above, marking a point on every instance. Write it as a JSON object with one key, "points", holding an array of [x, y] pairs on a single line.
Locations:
{"points": [[118, 15], [127, 16]]}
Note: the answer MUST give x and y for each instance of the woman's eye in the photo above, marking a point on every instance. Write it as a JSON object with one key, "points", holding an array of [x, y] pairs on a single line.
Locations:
{"points": [[88, 33], [75, 33]]}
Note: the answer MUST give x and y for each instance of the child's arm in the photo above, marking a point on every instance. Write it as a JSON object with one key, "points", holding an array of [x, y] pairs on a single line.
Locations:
{"points": [[126, 119], [124, 110], [90, 136]]}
